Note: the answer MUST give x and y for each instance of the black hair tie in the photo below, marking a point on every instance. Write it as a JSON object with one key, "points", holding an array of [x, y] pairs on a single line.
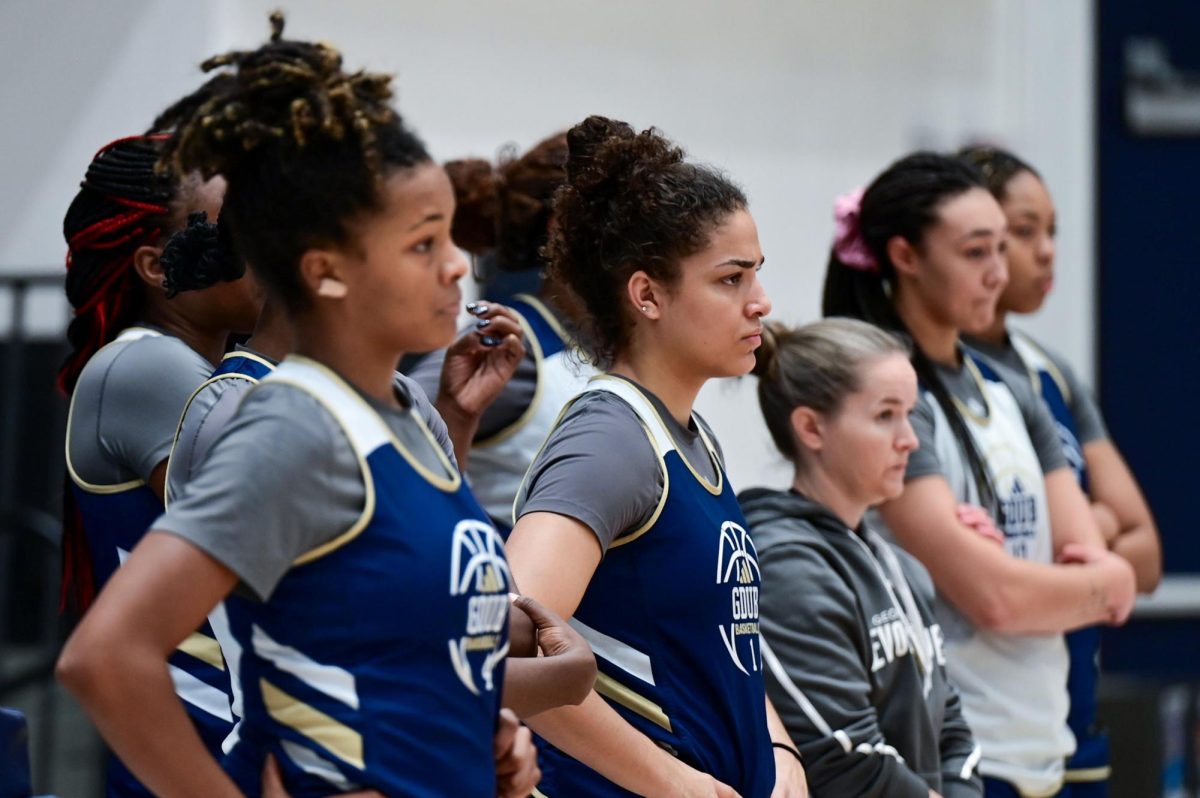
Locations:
{"points": [[198, 257]]}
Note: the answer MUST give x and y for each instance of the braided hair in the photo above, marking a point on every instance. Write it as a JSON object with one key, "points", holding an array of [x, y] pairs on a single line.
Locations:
{"points": [[304, 147], [904, 201], [123, 203]]}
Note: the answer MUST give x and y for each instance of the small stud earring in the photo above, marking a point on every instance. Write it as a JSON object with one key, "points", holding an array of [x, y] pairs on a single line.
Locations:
{"points": [[645, 309], [329, 287]]}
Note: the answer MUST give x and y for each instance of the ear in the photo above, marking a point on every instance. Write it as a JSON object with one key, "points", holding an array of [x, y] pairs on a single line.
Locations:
{"points": [[903, 255], [809, 429], [321, 272], [148, 268], [644, 294]]}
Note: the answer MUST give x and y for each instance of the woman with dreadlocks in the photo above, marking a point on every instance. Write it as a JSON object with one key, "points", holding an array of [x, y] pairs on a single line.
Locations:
{"points": [[327, 499], [138, 351]]}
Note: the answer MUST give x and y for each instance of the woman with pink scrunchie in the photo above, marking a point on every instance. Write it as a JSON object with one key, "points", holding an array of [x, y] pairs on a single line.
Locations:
{"points": [[921, 252]]}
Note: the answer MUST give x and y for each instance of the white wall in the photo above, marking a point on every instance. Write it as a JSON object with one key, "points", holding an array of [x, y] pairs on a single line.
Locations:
{"points": [[797, 101]]}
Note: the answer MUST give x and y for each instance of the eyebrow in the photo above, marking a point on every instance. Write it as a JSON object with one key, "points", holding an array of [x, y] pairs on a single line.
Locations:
{"points": [[436, 216], [742, 262], [982, 232]]}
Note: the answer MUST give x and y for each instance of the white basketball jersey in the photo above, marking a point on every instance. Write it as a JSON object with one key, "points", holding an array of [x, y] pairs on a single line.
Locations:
{"points": [[1014, 687]]}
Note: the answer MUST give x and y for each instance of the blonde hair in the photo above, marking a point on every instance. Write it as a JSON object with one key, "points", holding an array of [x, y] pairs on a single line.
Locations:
{"points": [[816, 365]]}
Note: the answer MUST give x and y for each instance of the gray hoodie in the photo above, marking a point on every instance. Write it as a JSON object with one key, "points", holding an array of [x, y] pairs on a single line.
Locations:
{"points": [[853, 657]]}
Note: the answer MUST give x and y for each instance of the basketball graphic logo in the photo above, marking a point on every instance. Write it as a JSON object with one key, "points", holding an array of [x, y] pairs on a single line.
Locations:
{"points": [[737, 567], [478, 570]]}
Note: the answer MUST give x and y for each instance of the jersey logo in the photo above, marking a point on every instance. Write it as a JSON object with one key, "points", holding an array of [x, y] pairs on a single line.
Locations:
{"points": [[478, 570], [1019, 519], [737, 567]]}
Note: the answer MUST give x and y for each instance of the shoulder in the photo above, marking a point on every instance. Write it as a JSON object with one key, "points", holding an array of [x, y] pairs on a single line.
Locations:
{"points": [[1017, 384], [284, 415]]}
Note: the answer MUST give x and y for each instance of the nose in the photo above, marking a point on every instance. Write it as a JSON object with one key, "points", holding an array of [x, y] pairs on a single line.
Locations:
{"points": [[759, 304], [455, 267], [908, 440], [997, 276], [1046, 250]]}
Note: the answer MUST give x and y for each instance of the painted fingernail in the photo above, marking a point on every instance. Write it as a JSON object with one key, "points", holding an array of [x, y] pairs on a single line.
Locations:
{"points": [[482, 323], [490, 340], [477, 308], [472, 305]]}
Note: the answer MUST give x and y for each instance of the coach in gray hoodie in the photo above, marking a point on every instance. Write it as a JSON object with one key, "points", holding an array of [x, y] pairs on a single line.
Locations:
{"points": [[851, 648]]}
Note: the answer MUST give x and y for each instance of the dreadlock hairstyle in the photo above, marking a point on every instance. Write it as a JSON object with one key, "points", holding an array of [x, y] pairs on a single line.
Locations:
{"points": [[123, 203], [304, 148], [904, 201], [505, 209], [631, 202], [183, 109], [997, 166]]}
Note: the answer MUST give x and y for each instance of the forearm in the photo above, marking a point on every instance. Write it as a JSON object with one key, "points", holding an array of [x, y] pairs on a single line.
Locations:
{"points": [[1038, 598], [597, 736], [130, 698], [461, 427], [533, 685], [1139, 546]]}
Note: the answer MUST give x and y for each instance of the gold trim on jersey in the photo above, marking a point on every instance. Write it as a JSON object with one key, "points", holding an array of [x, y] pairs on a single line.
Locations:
{"points": [[715, 490], [535, 347], [188, 404], [662, 464], [980, 383], [203, 648], [615, 691], [121, 487], [1055, 374], [248, 356], [1086, 775], [446, 485], [548, 317], [331, 734]]}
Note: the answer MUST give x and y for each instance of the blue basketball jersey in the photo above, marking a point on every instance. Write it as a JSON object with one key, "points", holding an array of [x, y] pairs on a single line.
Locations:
{"points": [[1091, 759], [672, 616], [115, 517], [378, 659], [244, 364]]}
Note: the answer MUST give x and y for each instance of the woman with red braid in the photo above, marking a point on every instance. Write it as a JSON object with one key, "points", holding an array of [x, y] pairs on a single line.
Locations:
{"points": [[137, 353]]}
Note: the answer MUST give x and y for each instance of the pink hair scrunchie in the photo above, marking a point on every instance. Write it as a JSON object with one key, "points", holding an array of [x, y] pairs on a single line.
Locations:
{"points": [[848, 243]]}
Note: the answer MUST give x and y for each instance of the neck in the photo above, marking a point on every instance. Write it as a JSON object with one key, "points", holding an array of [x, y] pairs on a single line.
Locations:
{"points": [[662, 377], [816, 485], [370, 369], [997, 333], [938, 341], [210, 344], [273, 333]]}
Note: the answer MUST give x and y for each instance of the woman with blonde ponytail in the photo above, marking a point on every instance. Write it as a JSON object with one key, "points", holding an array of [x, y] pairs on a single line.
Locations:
{"points": [[853, 650]]}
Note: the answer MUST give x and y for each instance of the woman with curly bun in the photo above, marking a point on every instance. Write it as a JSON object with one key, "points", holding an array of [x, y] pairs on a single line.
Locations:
{"points": [[372, 593], [502, 217], [626, 514]]}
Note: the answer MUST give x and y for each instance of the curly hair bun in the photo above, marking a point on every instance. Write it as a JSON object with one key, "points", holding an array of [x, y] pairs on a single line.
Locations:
{"points": [[603, 151], [477, 198]]}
